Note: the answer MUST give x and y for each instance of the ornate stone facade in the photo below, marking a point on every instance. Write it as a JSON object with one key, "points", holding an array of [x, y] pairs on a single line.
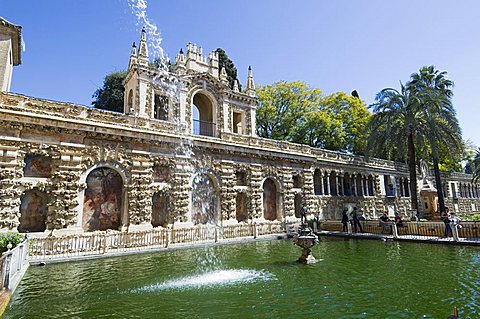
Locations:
{"points": [[207, 130]]}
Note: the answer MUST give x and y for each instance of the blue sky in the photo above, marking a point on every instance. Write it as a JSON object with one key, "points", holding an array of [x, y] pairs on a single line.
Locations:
{"points": [[339, 45]]}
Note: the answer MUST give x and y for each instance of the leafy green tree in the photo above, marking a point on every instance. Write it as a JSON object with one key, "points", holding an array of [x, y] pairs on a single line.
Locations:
{"points": [[294, 112], [284, 108], [393, 129], [110, 95], [351, 114], [438, 124], [224, 61]]}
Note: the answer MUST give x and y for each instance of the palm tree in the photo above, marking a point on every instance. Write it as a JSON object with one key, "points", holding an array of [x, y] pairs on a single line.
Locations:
{"points": [[437, 121], [393, 128]]}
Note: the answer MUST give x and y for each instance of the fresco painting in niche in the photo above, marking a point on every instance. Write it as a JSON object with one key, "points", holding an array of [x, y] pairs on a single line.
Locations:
{"points": [[269, 200], [159, 210], [103, 200], [160, 174], [33, 210], [37, 166], [204, 200]]}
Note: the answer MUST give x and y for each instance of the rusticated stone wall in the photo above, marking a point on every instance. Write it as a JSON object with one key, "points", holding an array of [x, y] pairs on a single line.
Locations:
{"points": [[77, 140]]}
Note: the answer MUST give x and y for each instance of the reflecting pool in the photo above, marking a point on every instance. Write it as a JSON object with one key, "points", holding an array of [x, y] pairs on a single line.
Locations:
{"points": [[352, 279]]}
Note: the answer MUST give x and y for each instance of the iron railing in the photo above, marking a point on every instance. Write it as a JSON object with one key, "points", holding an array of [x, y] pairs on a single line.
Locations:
{"points": [[204, 128]]}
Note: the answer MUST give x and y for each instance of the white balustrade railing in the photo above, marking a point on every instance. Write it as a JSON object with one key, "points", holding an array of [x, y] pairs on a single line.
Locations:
{"points": [[14, 263], [111, 242]]}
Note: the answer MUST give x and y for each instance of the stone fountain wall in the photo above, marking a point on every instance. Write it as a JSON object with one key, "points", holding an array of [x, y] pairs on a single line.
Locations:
{"points": [[76, 139]]}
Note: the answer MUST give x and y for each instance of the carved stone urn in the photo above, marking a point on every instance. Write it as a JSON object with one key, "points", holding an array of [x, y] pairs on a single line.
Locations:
{"points": [[306, 239]]}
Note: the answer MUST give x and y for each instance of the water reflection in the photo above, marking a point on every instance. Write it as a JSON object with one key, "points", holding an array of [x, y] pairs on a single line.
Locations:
{"points": [[356, 279]]}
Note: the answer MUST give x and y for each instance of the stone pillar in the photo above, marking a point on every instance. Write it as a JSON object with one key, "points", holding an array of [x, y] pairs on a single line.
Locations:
{"points": [[227, 192], [181, 187], [328, 184], [353, 182], [139, 197], [308, 191], [322, 185], [10, 191], [365, 185], [256, 197], [65, 209]]}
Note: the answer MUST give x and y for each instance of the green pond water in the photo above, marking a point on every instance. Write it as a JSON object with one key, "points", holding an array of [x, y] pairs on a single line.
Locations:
{"points": [[352, 279]]}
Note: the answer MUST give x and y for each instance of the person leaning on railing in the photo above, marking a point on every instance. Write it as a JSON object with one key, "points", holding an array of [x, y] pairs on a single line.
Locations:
{"points": [[398, 220], [384, 223]]}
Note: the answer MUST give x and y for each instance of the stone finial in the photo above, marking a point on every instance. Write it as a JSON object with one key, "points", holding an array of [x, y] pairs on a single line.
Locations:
{"points": [[180, 67], [143, 49], [250, 88], [133, 56], [235, 86], [223, 75]]}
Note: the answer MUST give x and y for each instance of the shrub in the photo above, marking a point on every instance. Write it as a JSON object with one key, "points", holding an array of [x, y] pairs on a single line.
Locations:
{"points": [[10, 237]]}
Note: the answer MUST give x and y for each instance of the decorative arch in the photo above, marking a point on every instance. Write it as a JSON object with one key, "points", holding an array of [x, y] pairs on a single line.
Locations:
{"points": [[205, 200], [104, 198], [33, 211], [204, 113]]}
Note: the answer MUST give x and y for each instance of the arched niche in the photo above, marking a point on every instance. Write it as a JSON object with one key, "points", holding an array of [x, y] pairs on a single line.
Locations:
{"points": [[205, 200], [271, 200], [203, 114], [103, 200], [33, 211], [241, 212], [160, 216]]}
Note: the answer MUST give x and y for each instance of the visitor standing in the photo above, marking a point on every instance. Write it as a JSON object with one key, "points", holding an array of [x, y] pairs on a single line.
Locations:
{"points": [[455, 220], [414, 217], [398, 220], [384, 223], [344, 220], [356, 222], [446, 220]]}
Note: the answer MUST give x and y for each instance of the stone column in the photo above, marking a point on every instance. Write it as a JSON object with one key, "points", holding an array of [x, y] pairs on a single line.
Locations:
{"points": [[364, 185], [328, 184], [322, 185], [353, 182]]}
